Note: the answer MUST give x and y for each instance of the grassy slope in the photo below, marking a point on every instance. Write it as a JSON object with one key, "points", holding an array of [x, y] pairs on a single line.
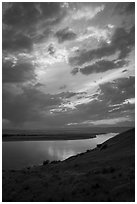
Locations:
{"points": [[97, 175]]}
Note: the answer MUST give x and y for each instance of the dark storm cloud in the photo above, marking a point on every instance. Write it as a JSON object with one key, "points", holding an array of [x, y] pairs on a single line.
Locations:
{"points": [[100, 66], [5, 6], [21, 21], [117, 91], [75, 71], [45, 35], [27, 106], [53, 11], [122, 41], [26, 24], [21, 72], [112, 93], [65, 34], [98, 110], [130, 8], [24, 15], [21, 15], [32, 103], [16, 42], [127, 85], [125, 8], [95, 110]]}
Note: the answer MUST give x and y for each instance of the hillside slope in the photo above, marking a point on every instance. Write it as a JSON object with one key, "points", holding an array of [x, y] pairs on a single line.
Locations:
{"points": [[106, 173]]}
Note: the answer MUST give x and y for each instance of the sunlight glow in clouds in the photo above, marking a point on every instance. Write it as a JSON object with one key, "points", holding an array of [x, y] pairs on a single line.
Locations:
{"points": [[87, 13], [43, 58], [97, 33], [65, 63]]}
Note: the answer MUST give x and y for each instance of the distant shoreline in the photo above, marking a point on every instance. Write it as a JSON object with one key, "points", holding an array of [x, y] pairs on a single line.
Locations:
{"points": [[10, 138]]}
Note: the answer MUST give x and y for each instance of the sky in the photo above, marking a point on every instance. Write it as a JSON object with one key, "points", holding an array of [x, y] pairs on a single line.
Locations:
{"points": [[68, 65]]}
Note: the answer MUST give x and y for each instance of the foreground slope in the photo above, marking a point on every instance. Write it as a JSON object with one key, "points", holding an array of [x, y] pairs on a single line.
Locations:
{"points": [[103, 174]]}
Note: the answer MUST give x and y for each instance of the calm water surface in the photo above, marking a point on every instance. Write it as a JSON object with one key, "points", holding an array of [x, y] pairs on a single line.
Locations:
{"points": [[16, 155]]}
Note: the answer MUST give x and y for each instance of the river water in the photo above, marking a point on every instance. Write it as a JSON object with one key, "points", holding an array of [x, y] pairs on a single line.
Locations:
{"points": [[19, 154]]}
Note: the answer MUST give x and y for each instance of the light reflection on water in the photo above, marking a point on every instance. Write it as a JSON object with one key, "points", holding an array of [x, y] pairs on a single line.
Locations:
{"points": [[16, 155]]}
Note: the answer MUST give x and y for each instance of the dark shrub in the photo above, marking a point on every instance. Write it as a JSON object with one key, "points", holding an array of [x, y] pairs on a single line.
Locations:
{"points": [[103, 147], [81, 154], [99, 145], [45, 162], [55, 162]]}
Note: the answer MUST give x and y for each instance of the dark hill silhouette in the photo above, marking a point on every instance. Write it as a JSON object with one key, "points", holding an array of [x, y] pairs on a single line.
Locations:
{"points": [[106, 173]]}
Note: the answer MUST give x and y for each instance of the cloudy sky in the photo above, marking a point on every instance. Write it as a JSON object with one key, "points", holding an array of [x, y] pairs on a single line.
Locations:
{"points": [[68, 65]]}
